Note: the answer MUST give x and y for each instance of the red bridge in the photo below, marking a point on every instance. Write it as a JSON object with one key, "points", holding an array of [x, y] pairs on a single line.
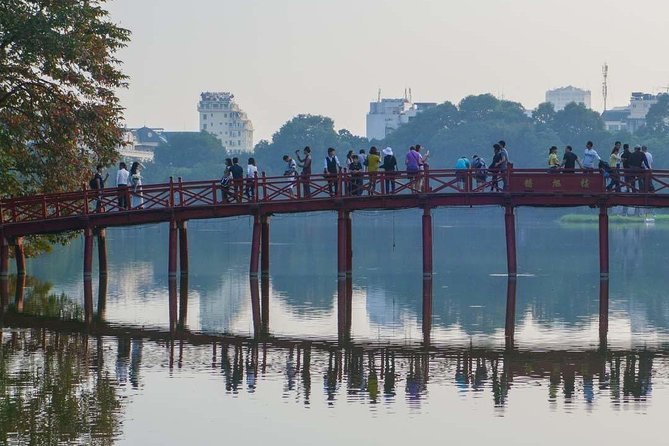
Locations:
{"points": [[91, 211]]}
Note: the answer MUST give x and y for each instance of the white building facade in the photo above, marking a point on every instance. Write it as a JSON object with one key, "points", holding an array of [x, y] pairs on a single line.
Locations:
{"points": [[560, 97], [632, 117], [386, 115], [223, 118]]}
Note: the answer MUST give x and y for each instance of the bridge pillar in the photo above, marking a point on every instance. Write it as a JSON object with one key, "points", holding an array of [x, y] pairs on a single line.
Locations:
{"points": [[20, 256], [255, 245], [20, 292], [603, 242], [510, 326], [88, 269], [510, 225], [172, 299], [264, 295], [255, 305], [342, 263], [102, 295], [264, 246], [427, 309], [172, 251], [603, 311], [427, 242], [349, 246], [183, 248], [183, 300], [102, 252], [4, 273]]}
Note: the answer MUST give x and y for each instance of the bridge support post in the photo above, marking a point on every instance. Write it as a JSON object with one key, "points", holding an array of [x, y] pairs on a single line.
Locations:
{"points": [[102, 252], [603, 311], [510, 326], [172, 251], [264, 295], [255, 305], [20, 256], [183, 248], [88, 270], [183, 300], [20, 292], [172, 297], [427, 243], [427, 309], [510, 225], [4, 273], [343, 222], [255, 246], [603, 242], [349, 245], [264, 247], [102, 295]]}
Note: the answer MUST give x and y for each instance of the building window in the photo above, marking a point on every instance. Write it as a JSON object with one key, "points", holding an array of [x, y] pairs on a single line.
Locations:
{"points": [[239, 142], [225, 115], [204, 126], [204, 117]]}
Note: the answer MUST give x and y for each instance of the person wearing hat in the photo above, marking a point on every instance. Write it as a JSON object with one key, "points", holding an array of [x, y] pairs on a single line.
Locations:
{"points": [[390, 167]]}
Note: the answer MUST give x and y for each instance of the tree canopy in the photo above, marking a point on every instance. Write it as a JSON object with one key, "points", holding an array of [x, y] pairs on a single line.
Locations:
{"points": [[59, 113]]}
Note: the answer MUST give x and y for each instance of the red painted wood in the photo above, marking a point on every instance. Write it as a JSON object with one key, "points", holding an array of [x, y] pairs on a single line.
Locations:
{"points": [[264, 244], [603, 242], [510, 226], [427, 243], [255, 245]]}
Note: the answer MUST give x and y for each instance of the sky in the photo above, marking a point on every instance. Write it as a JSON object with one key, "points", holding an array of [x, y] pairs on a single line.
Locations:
{"points": [[281, 58]]}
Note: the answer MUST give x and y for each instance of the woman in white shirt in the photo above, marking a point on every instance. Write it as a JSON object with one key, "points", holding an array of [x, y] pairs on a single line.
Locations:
{"points": [[251, 174]]}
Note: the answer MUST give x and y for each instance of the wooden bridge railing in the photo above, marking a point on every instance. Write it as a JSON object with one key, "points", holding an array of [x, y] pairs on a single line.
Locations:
{"points": [[346, 185]]}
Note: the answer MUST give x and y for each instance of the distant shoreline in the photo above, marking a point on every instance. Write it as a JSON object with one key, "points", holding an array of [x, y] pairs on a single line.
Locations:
{"points": [[620, 219]]}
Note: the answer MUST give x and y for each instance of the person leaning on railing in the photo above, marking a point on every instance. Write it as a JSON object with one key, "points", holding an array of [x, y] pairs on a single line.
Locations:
{"points": [[390, 167]]}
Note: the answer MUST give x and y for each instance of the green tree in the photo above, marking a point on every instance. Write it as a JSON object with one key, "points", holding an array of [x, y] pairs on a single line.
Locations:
{"points": [[657, 119], [315, 131], [190, 155], [544, 114], [58, 82], [575, 124]]}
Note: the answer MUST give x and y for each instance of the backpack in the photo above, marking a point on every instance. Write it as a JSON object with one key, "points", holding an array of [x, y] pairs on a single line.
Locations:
{"points": [[93, 183]]}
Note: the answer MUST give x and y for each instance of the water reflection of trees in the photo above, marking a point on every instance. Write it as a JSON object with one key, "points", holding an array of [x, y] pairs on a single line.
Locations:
{"points": [[54, 390]]}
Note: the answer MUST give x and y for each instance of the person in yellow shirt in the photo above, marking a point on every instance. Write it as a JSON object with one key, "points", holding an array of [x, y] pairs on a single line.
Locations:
{"points": [[373, 160], [553, 161]]}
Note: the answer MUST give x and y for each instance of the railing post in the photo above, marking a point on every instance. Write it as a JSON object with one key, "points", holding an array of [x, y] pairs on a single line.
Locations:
{"points": [[382, 177], [43, 207], [298, 185], [426, 174], [264, 187], [510, 226], [214, 193], [339, 184], [85, 190], [171, 197], [181, 191], [255, 187]]}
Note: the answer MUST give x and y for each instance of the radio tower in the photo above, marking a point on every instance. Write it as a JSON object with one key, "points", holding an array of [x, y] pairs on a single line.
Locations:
{"points": [[605, 87]]}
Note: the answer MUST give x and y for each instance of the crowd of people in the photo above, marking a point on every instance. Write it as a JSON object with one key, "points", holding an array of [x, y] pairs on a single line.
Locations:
{"points": [[623, 171]]}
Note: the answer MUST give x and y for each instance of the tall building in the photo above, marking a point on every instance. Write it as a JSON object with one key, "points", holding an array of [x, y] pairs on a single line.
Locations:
{"points": [[386, 115], [560, 97], [222, 117]]}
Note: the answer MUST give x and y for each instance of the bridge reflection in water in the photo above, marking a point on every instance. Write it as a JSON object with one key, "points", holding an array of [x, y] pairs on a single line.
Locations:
{"points": [[314, 371]]}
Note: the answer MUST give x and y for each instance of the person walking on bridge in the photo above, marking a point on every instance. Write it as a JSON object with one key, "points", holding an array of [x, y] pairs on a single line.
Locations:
{"points": [[291, 172], [97, 183], [413, 162], [390, 167], [373, 161], [237, 173], [649, 159], [135, 181], [122, 185], [590, 157], [331, 168], [569, 160], [305, 164], [251, 175], [638, 163]]}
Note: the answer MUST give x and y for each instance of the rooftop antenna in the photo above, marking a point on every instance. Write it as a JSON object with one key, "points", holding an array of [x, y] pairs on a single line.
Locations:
{"points": [[410, 95], [379, 97], [405, 94], [605, 86]]}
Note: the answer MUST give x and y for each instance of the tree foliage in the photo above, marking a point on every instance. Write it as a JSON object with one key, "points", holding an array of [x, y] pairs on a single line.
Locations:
{"points": [[190, 155], [315, 131], [59, 113]]}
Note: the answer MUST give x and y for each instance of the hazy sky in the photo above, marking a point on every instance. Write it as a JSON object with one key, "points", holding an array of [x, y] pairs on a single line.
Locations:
{"points": [[284, 57]]}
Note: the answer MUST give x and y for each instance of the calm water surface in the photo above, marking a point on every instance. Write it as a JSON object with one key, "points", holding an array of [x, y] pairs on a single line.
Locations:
{"points": [[128, 386]]}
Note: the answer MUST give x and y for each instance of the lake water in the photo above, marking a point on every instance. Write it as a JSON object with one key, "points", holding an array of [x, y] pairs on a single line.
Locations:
{"points": [[134, 384]]}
